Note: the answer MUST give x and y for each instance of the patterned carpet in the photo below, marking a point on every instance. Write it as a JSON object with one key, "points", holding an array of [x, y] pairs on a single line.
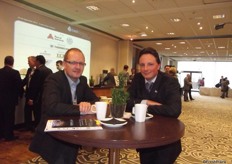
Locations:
{"points": [[208, 136]]}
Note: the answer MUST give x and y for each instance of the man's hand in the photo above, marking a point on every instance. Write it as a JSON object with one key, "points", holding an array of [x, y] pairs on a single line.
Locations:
{"points": [[30, 102], [85, 107], [150, 102]]}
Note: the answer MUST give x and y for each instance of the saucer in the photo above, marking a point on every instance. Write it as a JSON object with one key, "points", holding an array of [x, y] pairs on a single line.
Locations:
{"points": [[113, 122], [148, 116]]}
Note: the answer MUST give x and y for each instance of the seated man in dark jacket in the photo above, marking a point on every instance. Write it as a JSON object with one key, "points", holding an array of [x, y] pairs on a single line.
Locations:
{"points": [[161, 93], [65, 93]]}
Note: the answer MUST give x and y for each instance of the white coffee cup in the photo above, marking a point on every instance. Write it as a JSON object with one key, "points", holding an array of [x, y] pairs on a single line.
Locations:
{"points": [[100, 109], [140, 111]]}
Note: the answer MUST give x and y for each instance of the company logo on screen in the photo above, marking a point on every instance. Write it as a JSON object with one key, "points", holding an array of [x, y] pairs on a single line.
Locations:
{"points": [[50, 36], [70, 29], [57, 38]]}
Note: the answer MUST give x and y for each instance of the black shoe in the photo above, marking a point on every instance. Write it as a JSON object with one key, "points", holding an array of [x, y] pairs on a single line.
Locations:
{"points": [[12, 138], [186, 100], [192, 99]]}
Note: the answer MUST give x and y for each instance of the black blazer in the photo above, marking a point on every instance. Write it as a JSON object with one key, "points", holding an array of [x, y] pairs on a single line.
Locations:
{"points": [[57, 101], [165, 90], [36, 83], [10, 85]]}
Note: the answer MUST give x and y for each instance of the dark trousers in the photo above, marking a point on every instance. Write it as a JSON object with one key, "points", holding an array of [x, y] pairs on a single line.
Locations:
{"points": [[7, 120], [160, 155], [190, 94], [37, 113], [186, 95], [28, 111]]}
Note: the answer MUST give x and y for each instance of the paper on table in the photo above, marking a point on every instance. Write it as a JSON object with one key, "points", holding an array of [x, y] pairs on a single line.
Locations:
{"points": [[72, 124]]}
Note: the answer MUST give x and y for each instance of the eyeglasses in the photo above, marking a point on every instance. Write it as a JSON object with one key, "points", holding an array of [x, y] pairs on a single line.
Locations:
{"points": [[82, 64]]}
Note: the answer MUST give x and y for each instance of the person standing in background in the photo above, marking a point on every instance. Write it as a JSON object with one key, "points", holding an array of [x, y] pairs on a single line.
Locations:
{"points": [[29, 109], [166, 68], [59, 65], [190, 90], [187, 86], [133, 71], [109, 79], [10, 90], [124, 73], [65, 93], [224, 87], [36, 86]]}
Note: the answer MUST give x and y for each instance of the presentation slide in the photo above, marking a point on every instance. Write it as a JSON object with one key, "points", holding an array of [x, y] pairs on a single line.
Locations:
{"points": [[31, 39]]}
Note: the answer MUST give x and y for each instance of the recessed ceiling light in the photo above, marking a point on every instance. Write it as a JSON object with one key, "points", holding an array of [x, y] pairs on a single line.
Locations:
{"points": [[200, 28], [221, 47], [143, 34], [182, 42], [125, 25], [159, 43], [219, 16], [167, 48], [133, 1], [92, 8], [170, 33], [198, 48], [175, 20], [199, 23]]}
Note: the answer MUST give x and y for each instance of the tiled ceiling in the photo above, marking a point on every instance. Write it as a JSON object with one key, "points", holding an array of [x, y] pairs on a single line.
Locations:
{"points": [[153, 18]]}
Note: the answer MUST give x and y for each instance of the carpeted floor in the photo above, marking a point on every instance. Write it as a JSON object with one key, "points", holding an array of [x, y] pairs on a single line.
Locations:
{"points": [[207, 139]]}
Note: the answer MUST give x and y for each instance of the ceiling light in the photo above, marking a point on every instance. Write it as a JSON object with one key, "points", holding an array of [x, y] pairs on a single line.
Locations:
{"points": [[133, 1], [142, 34], [198, 48], [125, 25], [221, 47], [159, 43], [167, 48], [170, 33], [200, 28], [92, 8], [175, 20], [198, 23], [182, 42], [219, 16]]}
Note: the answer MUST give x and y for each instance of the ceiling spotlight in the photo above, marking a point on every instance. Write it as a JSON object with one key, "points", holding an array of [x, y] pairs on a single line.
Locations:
{"points": [[220, 26]]}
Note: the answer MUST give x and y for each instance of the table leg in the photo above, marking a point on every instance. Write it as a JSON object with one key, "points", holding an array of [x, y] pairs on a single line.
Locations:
{"points": [[114, 156]]}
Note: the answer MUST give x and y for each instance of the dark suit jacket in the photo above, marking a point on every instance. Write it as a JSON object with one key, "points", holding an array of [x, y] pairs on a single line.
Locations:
{"points": [[57, 101], [165, 90], [10, 85], [25, 81], [36, 84]]}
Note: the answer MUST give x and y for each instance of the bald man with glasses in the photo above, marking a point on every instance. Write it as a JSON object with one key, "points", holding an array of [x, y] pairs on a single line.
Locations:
{"points": [[65, 93]]}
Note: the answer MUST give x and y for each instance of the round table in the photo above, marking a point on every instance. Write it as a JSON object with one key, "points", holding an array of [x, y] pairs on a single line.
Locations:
{"points": [[157, 131]]}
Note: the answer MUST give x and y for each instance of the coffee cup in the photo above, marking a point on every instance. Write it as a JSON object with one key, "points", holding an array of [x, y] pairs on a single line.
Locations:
{"points": [[140, 111], [100, 109]]}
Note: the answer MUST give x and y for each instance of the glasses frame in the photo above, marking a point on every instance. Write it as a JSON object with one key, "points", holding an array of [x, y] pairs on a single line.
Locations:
{"points": [[76, 63]]}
